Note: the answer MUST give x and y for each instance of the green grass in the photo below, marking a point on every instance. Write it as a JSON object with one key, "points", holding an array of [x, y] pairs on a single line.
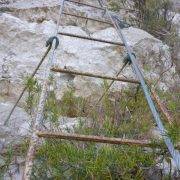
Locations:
{"points": [[70, 160], [10, 155], [120, 114]]}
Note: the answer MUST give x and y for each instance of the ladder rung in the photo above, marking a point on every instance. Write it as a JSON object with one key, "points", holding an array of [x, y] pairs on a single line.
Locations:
{"points": [[88, 18], [56, 69], [98, 139], [90, 38], [101, 8], [85, 4]]}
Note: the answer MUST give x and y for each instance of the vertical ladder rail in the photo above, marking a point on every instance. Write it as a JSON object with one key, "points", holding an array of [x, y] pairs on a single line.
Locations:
{"points": [[174, 153], [34, 139], [36, 126], [38, 120]]}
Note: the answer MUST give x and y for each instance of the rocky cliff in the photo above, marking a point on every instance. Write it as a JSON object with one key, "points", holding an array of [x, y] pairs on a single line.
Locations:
{"points": [[26, 25]]}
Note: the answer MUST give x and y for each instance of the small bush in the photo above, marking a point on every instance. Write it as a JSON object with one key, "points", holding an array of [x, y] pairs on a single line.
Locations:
{"points": [[122, 114], [33, 90]]}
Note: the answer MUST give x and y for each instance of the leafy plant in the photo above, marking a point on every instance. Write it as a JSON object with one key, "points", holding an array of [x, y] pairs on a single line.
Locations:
{"points": [[72, 106], [122, 114], [90, 161], [51, 110], [59, 159], [33, 88], [10, 154]]}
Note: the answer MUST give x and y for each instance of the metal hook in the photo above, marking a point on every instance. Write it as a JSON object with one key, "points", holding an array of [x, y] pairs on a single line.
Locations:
{"points": [[49, 42]]}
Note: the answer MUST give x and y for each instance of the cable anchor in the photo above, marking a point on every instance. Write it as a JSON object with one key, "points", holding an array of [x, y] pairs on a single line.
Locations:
{"points": [[49, 42], [127, 59]]}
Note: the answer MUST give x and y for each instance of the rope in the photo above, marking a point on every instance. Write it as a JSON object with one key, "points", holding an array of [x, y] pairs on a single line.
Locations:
{"points": [[174, 153]]}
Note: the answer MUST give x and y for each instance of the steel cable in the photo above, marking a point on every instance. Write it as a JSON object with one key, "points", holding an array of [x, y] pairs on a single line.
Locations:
{"points": [[174, 153]]}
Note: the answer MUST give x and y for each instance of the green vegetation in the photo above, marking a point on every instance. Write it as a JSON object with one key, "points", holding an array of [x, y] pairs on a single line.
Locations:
{"points": [[115, 5], [172, 103], [69, 106], [76, 160], [8, 157], [70, 160], [33, 89], [120, 114], [5, 162], [153, 16], [72, 106], [51, 109]]}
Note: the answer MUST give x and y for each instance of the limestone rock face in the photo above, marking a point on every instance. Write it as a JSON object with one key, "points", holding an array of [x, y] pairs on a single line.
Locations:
{"points": [[176, 22], [26, 25], [18, 128], [23, 44]]}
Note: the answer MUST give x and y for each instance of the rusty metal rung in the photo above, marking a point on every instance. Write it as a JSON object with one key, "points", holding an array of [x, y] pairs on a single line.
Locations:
{"points": [[101, 8], [88, 18], [67, 71], [100, 139], [91, 39], [97, 139], [85, 4]]}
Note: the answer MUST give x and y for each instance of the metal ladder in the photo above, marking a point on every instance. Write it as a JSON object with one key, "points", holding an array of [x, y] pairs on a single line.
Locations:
{"points": [[38, 133]]}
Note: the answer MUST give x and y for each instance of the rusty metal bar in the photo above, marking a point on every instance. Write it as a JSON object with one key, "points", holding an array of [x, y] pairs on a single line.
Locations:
{"points": [[109, 86], [161, 107], [98, 139], [57, 69], [88, 18], [85, 4], [98, 7], [90, 39]]}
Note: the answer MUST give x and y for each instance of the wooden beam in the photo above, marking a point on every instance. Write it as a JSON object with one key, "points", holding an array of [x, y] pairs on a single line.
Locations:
{"points": [[57, 69]]}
